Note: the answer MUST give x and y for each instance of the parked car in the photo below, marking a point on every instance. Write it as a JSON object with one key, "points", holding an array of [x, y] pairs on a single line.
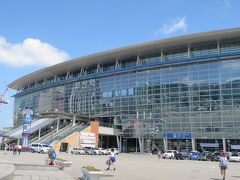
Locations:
{"points": [[228, 154], [116, 151], [205, 156], [169, 154], [103, 151], [97, 151], [179, 156], [183, 154], [235, 157], [215, 156], [194, 155], [38, 147], [89, 150], [77, 151]]}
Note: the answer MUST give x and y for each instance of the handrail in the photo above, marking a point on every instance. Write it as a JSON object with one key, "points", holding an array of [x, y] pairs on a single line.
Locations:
{"points": [[67, 133], [48, 136]]}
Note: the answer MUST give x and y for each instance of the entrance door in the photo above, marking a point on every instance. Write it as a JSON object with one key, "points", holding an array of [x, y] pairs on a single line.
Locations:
{"points": [[64, 147]]}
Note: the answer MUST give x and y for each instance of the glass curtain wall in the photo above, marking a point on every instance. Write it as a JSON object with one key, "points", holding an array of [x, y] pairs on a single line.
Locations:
{"points": [[202, 98]]}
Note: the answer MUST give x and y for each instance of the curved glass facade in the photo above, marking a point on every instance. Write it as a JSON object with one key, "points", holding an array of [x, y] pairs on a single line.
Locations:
{"points": [[200, 97], [180, 91]]}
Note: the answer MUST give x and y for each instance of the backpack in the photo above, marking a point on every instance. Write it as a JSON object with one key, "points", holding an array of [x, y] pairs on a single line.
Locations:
{"points": [[52, 154], [223, 162]]}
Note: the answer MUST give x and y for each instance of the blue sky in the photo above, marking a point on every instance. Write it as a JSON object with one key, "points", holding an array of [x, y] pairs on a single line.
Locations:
{"points": [[36, 34]]}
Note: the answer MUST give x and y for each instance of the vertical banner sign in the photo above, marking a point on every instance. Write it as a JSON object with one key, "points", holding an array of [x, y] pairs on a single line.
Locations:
{"points": [[27, 119]]}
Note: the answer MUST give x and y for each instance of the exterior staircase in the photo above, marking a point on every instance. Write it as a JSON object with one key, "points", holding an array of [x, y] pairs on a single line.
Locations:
{"points": [[61, 134], [68, 132], [50, 134]]}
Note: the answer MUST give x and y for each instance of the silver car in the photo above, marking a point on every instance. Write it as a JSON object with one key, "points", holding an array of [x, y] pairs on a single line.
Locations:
{"points": [[77, 151]]}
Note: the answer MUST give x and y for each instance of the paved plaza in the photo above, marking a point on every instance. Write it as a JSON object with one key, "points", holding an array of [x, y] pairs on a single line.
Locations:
{"points": [[131, 167]]}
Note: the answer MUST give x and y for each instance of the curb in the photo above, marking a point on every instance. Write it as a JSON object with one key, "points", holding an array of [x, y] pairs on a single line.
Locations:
{"points": [[6, 171]]}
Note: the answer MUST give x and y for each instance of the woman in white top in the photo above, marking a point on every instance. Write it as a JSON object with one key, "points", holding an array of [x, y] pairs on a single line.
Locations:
{"points": [[112, 160], [223, 164]]}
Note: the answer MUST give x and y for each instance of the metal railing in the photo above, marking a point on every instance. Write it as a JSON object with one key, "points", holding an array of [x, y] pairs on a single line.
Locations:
{"points": [[51, 134], [64, 134]]}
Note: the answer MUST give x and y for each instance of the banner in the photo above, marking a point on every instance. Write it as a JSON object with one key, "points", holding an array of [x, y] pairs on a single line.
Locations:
{"points": [[235, 146], [27, 119], [214, 145], [87, 139]]}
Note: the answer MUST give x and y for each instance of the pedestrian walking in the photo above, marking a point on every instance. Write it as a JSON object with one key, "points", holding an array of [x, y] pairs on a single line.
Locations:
{"points": [[52, 156], [5, 149], [19, 149], [15, 147], [60, 149], [111, 160], [223, 164], [159, 154]]}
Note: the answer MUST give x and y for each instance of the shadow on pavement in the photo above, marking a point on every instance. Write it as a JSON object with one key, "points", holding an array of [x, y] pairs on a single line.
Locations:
{"points": [[215, 179]]}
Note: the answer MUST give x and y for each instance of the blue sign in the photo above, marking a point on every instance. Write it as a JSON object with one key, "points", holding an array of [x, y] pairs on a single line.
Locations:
{"points": [[213, 145], [177, 135]]}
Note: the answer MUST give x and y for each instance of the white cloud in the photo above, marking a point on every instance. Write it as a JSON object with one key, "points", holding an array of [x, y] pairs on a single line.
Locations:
{"points": [[227, 6], [174, 25], [30, 52]]}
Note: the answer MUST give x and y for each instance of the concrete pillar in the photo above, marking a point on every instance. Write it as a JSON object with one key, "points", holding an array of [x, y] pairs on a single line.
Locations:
{"points": [[224, 144], [193, 144], [141, 144], [165, 144], [136, 145], [118, 142], [162, 55], [218, 47], [39, 134], [189, 52], [138, 60], [58, 124], [18, 141], [74, 121]]}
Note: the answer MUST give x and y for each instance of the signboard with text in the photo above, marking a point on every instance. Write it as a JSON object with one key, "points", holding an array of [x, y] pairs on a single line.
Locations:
{"points": [[235, 146], [210, 145], [87, 139], [177, 135]]}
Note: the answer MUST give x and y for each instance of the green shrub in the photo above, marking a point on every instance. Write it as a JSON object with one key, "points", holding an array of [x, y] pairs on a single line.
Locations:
{"points": [[59, 159], [91, 168]]}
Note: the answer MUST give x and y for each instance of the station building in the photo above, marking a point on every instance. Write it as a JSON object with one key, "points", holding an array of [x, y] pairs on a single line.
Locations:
{"points": [[176, 93]]}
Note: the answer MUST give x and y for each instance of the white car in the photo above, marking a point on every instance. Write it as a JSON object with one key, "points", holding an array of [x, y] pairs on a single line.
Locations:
{"points": [[116, 151], [89, 150], [77, 151], [38, 147], [169, 154], [97, 151], [234, 157], [104, 151]]}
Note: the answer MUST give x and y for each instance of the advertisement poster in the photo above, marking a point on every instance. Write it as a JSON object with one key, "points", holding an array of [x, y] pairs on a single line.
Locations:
{"points": [[27, 119], [87, 139]]}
